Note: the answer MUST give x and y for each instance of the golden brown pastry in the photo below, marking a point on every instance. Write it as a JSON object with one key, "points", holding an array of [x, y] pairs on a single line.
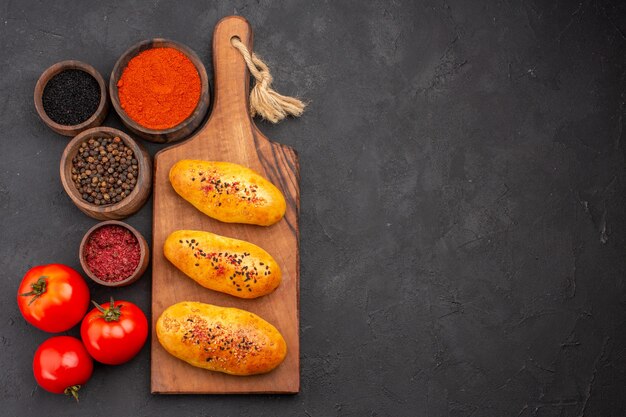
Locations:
{"points": [[220, 339], [228, 192], [223, 264]]}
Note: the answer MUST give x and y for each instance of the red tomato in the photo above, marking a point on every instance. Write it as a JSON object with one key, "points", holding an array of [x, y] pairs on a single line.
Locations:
{"points": [[114, 335], [53, 298], [61, 365]]}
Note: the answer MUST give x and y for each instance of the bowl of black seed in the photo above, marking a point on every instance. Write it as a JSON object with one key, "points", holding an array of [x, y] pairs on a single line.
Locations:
{"points": [[106, 173], [70, 97]]}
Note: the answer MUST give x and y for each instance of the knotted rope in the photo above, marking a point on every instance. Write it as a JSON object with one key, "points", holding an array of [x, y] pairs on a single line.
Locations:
{"points": [[265, 101]]}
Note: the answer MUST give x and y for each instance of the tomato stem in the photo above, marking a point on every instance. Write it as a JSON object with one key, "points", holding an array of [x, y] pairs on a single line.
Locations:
{"points": [[37, 289], [73, 391], [111, 313]]}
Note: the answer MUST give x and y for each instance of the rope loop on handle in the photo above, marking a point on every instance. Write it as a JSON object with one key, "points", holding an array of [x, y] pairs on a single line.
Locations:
{"points": [[265, 101]]}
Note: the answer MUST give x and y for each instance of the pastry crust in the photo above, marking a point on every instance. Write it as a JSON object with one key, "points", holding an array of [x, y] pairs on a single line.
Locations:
{"points": [[231, 266], [228, 192], [220, 339]]}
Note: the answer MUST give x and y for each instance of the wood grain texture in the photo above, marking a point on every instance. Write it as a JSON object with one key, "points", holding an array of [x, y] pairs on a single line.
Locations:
{"points": [[229, 135]]}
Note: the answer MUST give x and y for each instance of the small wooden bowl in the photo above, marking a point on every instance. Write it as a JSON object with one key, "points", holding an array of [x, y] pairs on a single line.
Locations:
{"points": [[184, 128], [96, 119], [143, 260], [131, 203]]}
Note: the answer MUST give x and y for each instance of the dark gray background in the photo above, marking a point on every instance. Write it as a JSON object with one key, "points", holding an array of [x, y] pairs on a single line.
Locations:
{"points": [[463, 230]]}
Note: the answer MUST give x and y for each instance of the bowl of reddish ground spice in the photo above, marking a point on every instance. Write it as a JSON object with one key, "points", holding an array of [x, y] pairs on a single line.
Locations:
{"points": [[160, 90], [114, 254]]}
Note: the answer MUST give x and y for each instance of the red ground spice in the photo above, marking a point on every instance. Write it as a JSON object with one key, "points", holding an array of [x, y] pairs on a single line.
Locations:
{"points": [[159, 88], [112, 253]]}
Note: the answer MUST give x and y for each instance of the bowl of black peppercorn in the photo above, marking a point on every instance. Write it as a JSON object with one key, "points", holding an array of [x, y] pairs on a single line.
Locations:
{"points": [[106, 173], [71, 96]]}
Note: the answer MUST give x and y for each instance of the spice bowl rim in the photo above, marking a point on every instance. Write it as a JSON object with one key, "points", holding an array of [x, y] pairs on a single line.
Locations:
{"points": [[143, 258], [125, 206], [174, 133], [94, 120]]}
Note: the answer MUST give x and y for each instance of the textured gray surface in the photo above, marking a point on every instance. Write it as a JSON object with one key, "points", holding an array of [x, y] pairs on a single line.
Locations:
{"points": [[463, 226]]}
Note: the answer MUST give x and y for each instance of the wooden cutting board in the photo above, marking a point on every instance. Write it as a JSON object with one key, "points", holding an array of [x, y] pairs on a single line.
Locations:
{"points": [[229, 135]]}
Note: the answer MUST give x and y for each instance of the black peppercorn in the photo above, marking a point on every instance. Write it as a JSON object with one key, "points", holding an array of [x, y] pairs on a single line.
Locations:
{"points": [[104, 181]]}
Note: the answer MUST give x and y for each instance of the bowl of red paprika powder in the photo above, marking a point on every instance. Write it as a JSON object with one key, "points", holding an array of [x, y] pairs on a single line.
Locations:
{"points": [[114, 254], [160, 90]]}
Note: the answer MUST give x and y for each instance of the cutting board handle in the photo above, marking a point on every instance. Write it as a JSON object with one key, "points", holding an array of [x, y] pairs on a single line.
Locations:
{"points": [[232, 79]]}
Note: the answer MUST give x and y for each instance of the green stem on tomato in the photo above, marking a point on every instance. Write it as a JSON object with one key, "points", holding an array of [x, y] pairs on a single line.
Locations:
{"points": [[73, 391], [37, 289], [111, 313]]}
